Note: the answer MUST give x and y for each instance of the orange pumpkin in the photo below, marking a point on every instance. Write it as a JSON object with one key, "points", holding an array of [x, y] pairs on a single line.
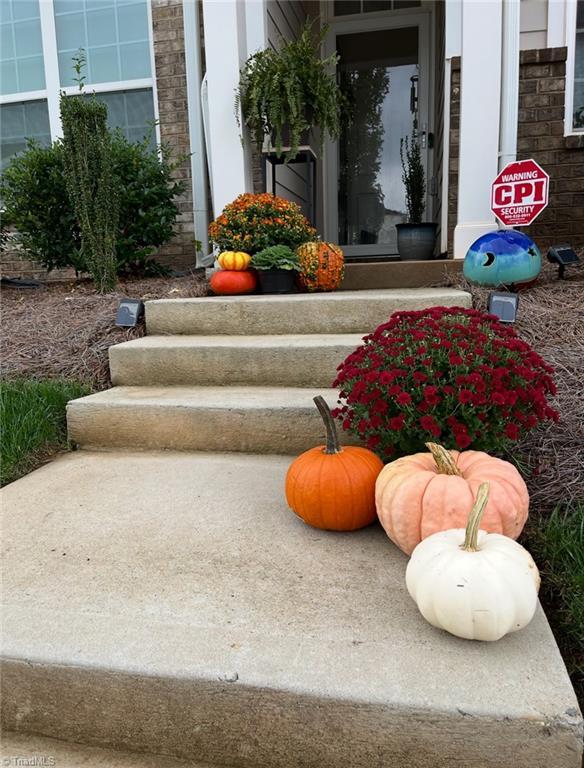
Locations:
{"points": [[226, 282], [330, 487], [422, 494], [322, 266]]}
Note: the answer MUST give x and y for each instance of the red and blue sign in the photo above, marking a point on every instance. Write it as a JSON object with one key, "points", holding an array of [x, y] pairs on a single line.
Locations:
{"points": [[520, 193]]}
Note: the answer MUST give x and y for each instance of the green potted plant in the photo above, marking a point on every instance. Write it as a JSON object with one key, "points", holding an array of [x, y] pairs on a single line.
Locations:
{"points": [[282, 94], [277, 266], [416, 239]]}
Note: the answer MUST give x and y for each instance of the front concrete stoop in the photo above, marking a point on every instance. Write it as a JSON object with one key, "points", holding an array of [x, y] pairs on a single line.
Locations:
{"points": [[235, 373], [165, 607]]}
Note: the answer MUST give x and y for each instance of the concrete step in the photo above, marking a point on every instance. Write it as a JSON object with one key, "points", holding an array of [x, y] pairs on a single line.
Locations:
{"points": [[338, 312], [293, 361], [252, 419], [21, 749], [170, 603]]}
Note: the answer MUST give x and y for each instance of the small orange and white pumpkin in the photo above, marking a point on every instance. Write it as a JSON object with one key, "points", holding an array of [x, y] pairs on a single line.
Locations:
{"points": [[234, 260]]}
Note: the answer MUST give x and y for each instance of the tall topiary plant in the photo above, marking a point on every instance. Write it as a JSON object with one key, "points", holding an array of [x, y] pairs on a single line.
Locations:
{"points": [[92, 185], [413, 178]]}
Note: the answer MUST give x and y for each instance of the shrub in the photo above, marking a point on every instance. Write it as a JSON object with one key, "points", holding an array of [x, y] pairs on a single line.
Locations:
{"points": [[49, 232], [253, 222], [276, 257], [92, 185], [457, 375]]}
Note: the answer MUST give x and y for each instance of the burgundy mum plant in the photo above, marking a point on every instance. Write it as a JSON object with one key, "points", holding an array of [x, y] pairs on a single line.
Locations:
{"points": [[454, 375]]}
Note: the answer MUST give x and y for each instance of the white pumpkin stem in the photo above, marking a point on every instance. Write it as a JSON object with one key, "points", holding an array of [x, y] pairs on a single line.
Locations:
{"points": [[443, 458], [332, 438], [474, 519]]}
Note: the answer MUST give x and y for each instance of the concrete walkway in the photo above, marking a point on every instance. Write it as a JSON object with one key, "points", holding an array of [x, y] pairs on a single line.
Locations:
{"points": [[170, 603]]}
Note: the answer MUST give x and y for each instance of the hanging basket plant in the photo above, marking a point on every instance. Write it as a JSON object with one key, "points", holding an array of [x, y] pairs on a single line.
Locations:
{"points": [[289, 91]]}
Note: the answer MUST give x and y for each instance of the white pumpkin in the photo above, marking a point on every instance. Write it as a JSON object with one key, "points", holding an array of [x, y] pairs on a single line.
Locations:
{"points": [[473, 584]]}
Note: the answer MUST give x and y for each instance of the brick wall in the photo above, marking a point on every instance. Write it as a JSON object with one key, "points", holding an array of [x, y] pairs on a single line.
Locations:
{"points": [[540, 135], [171, 84], [542, 86]]}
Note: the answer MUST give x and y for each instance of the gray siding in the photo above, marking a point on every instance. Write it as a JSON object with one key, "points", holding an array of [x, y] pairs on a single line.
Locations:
{"points": [[284, 21]]}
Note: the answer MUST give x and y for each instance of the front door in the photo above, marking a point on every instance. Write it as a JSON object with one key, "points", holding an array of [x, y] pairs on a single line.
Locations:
{"points": [[383, 73]]}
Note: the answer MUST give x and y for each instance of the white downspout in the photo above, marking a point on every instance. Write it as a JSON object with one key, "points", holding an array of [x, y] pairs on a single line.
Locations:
{"points": [[191, 22], [509, 83]]}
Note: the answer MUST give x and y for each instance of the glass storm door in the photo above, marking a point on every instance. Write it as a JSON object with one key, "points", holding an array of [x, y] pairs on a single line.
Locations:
{"points": [[383, 77]]}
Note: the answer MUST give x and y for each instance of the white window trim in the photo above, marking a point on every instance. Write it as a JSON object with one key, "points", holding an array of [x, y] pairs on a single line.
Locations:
{"points": [[52, 91], [569, 129]]}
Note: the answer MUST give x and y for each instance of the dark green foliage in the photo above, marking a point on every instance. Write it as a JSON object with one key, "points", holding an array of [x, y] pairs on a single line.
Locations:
{"points": [[147, 203], [92, 185], [36, 205], [49, 232], [276, 257], [413, 178], [292, 87], [32, 414]]}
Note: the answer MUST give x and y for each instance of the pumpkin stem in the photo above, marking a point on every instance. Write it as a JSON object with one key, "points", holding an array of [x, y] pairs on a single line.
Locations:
{"points": [[474, 519], [443, 458], [332, 437]]}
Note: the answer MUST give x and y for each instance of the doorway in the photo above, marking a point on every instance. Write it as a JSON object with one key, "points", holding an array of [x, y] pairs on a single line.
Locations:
{"points": [[383, 72]]}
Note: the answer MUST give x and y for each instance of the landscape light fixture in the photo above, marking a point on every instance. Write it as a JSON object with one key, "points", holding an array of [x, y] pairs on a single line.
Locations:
{"points": [[504, 305], [563, 256], [129, 313]]}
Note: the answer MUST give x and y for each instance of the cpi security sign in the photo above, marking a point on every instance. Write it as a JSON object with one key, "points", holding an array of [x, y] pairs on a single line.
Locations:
{"points": [[520, 193]]}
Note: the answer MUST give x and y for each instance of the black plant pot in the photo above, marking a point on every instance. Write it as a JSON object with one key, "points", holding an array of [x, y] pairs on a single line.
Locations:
{"points": [[415, 242], [276, 280]]}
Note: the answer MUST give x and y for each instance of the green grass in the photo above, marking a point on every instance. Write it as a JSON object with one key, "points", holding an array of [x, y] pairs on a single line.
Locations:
{"points": [[32, 419], [557, 546]]}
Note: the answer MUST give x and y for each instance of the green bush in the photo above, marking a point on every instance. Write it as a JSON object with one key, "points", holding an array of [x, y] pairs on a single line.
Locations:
{"points": [[32, 414], [49, 232]]}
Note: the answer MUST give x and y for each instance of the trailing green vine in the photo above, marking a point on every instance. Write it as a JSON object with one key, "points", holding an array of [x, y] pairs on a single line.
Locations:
{"points": [[293, 88]]}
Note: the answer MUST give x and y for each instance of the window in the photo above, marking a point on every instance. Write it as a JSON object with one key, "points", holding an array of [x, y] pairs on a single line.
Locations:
{"points": [[578, 105], [37, 45], [21, 47], [349, 7], [28, 119], [114, 34]]}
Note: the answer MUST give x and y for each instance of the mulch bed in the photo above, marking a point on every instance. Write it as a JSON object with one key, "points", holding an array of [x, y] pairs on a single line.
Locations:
{"points": [[551, 319], [64, 330]]}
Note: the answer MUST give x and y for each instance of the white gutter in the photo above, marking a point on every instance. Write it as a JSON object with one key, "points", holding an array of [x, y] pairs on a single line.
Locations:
{"points": [[509, 83], [191, 22]]}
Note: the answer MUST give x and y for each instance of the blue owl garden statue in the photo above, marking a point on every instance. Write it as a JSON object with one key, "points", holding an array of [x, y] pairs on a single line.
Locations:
{"points": [[503, 257]]}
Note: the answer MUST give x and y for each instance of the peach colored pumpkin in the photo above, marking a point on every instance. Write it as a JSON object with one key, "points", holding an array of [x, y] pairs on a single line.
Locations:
{"points": [[422, 494]]}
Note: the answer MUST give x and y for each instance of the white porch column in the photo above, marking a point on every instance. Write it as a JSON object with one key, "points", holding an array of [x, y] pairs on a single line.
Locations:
{"points": [[479, 120], [225, 52]]}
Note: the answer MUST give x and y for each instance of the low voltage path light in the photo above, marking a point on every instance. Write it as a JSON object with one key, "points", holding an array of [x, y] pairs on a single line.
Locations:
{"points": [[130, 312], [563, 256], [504, 305]]}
